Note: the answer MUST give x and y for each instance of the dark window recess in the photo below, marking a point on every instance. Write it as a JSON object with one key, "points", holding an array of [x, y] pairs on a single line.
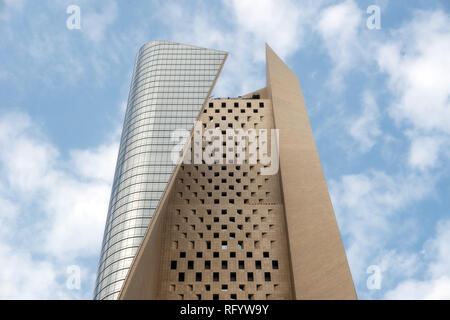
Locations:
{"points": [[215, 276], [207, 265], [173, 265], [275, 264], [198, 276], [250, 276], [258, 264], [241, 264], [182, 254], [181, 276], [267, 276], [190, 265], [224, 265], [233, 276]]}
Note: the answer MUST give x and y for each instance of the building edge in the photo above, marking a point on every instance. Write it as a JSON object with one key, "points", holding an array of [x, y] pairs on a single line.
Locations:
{"points": [[319, 263], [149, 253]]}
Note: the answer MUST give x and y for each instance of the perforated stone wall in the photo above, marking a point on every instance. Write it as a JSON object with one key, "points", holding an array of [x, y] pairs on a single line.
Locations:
{"points": [[225, 233]]}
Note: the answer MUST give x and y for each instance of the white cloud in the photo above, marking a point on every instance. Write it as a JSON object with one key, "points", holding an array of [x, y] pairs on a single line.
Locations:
{"points": [[280, 23], [22, 277], [435, 283], [418, 65], [57, 207], [242, 29], [365, 129], [9, 213], [95, 24], [435, 289], [101, 156], [424, 152], [76, 207], [339, 25], [21, 173], [366, 206], [56, 56]]}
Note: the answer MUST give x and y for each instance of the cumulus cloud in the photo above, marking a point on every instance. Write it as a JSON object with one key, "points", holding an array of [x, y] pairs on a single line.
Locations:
{"points": [[418, 67], [23, 277], [367, 205], [280, 23], [414, 58], [435, 283], [424, 152], [242, 29], [339, 27], [57, 199], [365, 129], [49, 202]]}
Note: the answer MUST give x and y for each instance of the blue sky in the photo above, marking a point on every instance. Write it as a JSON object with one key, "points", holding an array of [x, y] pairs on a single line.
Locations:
{"points": [[378, 101]]}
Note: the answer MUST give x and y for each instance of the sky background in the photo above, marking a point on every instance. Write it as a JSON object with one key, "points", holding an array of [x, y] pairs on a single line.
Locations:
{"points": [[378, 101]]}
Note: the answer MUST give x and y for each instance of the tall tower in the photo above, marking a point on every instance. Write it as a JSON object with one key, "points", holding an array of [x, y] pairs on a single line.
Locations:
{"points": [[170, 83], [246, 215]]}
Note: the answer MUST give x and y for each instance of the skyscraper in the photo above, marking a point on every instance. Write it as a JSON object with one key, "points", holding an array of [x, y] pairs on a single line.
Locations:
{"points": [[245, 215]]}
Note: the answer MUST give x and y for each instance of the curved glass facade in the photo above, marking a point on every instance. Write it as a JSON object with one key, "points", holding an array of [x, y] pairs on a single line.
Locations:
{"points": [[170, 83]]}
